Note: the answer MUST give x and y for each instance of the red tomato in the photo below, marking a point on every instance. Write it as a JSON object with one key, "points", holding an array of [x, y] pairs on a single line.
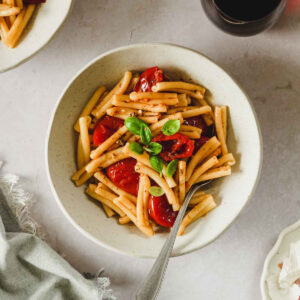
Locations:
{"points": [[207, 132], [161, 211], [105, 128], [123, 175], [149, 78], [174, 146], [198, 122], [200, 142]]}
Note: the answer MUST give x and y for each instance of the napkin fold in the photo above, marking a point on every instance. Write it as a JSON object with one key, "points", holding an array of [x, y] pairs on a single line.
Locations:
{"points": [[29, 268]]}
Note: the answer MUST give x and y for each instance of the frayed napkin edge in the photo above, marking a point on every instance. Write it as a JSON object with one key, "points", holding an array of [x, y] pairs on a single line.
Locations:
{"points": [[20, 203]]}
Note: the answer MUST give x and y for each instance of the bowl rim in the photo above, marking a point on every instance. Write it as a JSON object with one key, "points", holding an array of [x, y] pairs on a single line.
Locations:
{"points": [[126, 47], [271, 254], [48, 41]]}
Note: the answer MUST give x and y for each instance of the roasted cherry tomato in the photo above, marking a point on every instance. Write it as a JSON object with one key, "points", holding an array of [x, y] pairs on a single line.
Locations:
{"points": [[161, 211], [105, 128], [207, 132], [199, 122], [123, 175], [174, 146], [200, 142], [149, 78]]}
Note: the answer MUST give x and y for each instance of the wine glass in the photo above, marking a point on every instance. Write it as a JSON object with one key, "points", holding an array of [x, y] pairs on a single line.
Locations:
{"points": [[246, 26]]}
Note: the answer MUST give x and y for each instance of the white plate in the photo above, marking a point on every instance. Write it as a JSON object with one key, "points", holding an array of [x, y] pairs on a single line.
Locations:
{"points": [[231, 193], [280, 251], [45, 22]]}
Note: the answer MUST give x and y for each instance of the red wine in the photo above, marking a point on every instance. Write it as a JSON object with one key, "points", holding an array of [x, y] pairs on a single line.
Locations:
{"points": [[243, 17], [247, 10]]}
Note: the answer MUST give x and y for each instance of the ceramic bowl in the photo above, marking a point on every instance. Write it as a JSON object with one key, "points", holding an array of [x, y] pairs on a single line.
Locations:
{"points": [[279, 251], [231, 193], [45, 22]]}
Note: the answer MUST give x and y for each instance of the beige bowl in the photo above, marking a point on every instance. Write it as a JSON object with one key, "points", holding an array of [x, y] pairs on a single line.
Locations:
{"points": [[45, 22], [231, 193]]}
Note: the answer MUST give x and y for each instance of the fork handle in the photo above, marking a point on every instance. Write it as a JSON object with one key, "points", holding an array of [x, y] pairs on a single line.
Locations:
{"points": [[151, 285]]}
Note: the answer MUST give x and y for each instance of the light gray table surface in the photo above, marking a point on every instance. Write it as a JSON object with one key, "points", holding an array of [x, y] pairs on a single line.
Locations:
{"points": [[267, 66]]}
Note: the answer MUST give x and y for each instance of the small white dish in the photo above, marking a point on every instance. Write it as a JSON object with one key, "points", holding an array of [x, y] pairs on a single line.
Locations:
{"points": [[280, 251], [45, 22], [231, 193]]}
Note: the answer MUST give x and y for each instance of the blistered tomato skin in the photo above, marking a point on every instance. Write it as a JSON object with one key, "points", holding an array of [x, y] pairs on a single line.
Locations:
{"points": [[174, 146], [207, 132], [149, 78], [123, 175], [105, 128], [161, 211], [198, 122]]}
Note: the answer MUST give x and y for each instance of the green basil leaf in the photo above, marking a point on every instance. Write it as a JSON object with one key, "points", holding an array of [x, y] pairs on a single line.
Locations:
{"points": [[171, 127], [156, 163], [154, 148], [136, 148], [156, 191], [172, 167], [134, 125], [145, 134]]}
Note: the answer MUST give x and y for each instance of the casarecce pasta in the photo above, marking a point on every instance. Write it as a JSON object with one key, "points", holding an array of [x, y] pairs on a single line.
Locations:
{"points": [[144, 143], [14, 17]]}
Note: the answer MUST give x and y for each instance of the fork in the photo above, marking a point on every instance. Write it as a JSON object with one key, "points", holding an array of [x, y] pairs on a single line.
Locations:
{"points": [[151, 285]]}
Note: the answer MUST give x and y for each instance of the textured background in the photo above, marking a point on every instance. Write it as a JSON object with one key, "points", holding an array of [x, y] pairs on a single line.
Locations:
{"points": [[267, 66]]}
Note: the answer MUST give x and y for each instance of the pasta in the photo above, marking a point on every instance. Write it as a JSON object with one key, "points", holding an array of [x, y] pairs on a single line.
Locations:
{"points": [[119, 89], [165, 86], [181, 180], [201, 154], [14, 17], [140, 106], [91, 192], [106, 159], [90, 105], [215, 173], [130, 211], [109, 212], [141, 149], [220, 129], [85, 138], [191, 134], [144, 159], [111, 140], [201, 170], [198, 211], [102, 178]]}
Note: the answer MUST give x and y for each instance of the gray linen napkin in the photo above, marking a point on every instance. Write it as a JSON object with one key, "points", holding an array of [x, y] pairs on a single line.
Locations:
{"points": [[29, 268]]}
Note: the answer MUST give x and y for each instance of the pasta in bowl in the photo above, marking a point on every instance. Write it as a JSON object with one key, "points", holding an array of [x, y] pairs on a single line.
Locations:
{"points": [[140, 143], [152, 140]]}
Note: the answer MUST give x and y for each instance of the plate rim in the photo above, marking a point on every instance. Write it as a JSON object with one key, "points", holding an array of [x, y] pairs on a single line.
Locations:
{"points": [[78, 73], [271, 254]]}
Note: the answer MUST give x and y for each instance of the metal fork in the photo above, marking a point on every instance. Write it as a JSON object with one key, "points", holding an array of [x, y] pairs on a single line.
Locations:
{"points": [[151, 285]]}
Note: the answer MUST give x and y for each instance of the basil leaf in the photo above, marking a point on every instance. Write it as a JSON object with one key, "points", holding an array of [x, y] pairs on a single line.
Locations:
{"points": [[154, 148], [172, 167], [156, 163], [145, 134], [156, 191], [134, 125], [136, 148], [171, 127]]}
